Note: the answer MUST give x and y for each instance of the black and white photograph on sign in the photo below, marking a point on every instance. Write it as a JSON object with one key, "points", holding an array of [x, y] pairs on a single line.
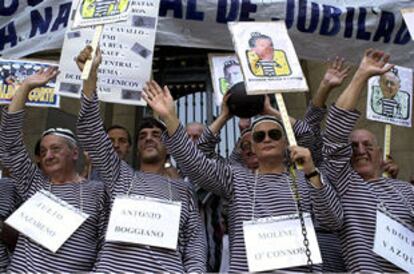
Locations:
{"points": [[141, 50], [390, 97], [99, 12], [143, 21], [267, 57], [127, 49], [225, 72]]}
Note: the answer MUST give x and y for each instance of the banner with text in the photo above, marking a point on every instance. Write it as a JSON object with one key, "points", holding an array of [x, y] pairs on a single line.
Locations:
{"points": [[319, 29], [127, 51]]}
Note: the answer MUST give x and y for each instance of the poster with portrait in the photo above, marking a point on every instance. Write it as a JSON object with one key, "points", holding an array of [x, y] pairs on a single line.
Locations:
{"points": [[390, 97], [12, 74], [408, 16], [127, 50], [99, 12], [225, 72], [267, 57]]}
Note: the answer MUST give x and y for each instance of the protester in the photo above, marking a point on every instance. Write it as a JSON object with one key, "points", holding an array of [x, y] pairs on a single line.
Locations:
{"points": [[121, 179], [353, 164], [58, 155], [240, 186], [8, 203]]}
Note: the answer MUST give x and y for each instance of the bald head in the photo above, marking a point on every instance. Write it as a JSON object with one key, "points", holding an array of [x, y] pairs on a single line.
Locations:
{"points": [[194, 130], [366, 154]]}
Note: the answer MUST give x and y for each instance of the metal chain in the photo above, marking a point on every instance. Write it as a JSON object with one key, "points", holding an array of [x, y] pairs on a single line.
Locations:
{"points": [[296, 196]]}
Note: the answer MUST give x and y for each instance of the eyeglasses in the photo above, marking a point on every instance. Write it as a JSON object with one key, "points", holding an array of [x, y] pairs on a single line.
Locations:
{"points": [[274, 134]]}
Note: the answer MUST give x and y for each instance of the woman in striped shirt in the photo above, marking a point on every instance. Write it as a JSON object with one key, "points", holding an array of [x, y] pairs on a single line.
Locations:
{"points": [[353, 163], [268, 191]]}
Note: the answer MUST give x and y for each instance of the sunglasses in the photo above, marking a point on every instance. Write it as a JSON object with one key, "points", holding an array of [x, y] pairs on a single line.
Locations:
{"points": [[274, 134]]}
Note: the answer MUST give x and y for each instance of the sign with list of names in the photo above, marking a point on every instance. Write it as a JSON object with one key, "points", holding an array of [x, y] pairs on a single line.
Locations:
{"points": [[127, 50]]}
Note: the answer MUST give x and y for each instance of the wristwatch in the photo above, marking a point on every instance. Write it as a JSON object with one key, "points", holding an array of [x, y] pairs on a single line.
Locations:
{"points": [[312, 174]]}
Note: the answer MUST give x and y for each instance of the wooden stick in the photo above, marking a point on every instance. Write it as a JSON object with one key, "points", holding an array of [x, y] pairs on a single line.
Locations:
{"points": [[286, 122], [95, 42], [387, 146]]}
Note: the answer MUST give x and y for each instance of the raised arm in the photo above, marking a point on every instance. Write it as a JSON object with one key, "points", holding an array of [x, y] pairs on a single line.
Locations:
{"points": [[212, 175], [373, 63], [342, 118], [90, 130], [13, 152], [334, 76]]}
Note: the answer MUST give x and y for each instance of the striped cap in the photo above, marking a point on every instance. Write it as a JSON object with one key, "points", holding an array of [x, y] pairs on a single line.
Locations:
{"points": [[61, 132], [257, 120]]}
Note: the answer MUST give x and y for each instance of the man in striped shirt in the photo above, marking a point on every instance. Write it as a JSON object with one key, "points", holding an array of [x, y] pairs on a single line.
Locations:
{"points": [[9, 201], [268, 191], [353, 164], [58, 156], [121, 179]]}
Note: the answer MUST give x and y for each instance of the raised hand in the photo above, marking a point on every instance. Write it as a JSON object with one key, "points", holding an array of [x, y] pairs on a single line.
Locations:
{"points": [[86, 54], [225, 111], [160, 100], [374, 63], [40, 78], [162, 103], [336, 72], [390, 167], [89, 85]]}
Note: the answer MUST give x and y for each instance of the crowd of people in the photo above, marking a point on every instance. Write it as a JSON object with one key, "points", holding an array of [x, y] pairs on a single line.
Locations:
{"points": [[340, 182]]}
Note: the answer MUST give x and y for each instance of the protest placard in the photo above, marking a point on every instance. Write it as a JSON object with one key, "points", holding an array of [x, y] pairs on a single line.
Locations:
{"points": [[100, 12], [12, 74], [389, 97], [267, 57], [225, 72], [127, 50]]}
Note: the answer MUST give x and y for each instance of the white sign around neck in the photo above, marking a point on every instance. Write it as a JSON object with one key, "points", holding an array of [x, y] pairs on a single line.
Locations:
{"points": [[277, 242], [146, 221], [47, 220], [394, 242]]}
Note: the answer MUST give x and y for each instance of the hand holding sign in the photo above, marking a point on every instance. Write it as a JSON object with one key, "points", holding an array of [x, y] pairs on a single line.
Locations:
{"points": [[89, 84]]}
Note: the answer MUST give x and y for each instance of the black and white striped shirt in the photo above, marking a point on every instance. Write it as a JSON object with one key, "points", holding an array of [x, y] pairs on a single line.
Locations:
{"points": [[236, 184], [117, 175], [9, 201], [308, 134], [79, 252], [360, 198]]}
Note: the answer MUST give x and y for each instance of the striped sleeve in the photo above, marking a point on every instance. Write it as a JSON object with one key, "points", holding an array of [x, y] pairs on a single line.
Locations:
{"points": [[8, 203], [212, 175], [326, 205], [14, 155], [194, 240], [337, 149], [207, 143], [314, 117], [94, 140]]}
